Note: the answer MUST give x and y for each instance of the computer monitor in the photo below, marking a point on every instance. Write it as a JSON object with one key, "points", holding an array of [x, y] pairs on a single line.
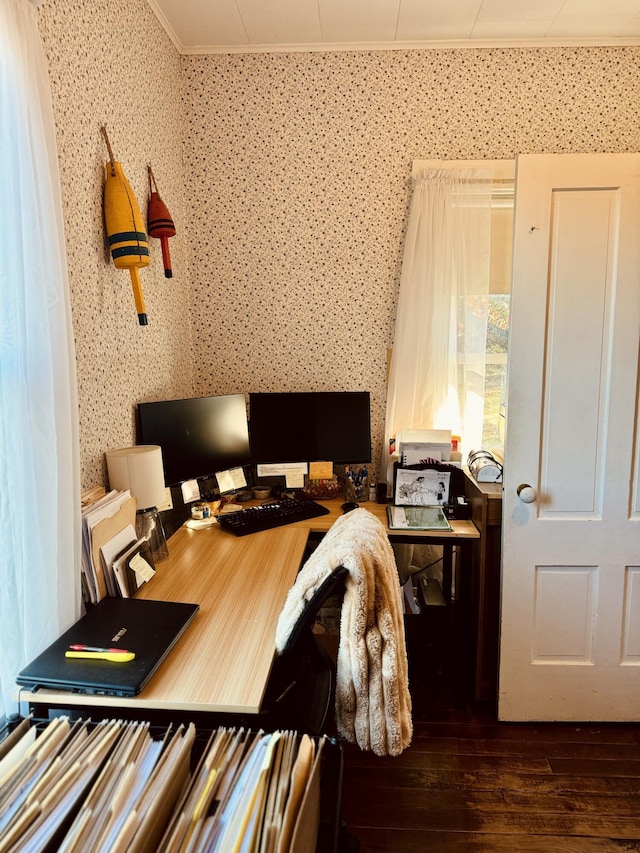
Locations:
{"points": [[329, 426], [199, 436]]}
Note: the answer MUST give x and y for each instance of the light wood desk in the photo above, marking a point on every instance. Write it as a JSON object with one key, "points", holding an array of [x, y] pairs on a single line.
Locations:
{"points": [[222, 662]]}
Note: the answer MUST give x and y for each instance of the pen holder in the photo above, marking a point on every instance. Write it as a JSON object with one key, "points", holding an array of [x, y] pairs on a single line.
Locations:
{"points": [[356, 485]]}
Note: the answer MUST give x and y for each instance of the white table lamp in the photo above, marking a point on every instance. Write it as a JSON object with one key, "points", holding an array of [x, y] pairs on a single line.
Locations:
{"points": [[139, 470]]}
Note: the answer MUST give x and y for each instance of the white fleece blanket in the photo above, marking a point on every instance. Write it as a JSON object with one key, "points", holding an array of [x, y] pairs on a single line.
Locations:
{"points": [[373, 704]]}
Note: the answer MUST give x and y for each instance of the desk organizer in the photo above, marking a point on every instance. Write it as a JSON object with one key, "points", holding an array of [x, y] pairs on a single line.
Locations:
{"points": [[356, 483], [322, 490]]}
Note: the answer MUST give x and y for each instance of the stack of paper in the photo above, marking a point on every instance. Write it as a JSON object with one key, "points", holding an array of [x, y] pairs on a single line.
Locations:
{"points": [[415, 446], [255, 793], [104, 788], [131, 802], [113, 787], [109, 544]]}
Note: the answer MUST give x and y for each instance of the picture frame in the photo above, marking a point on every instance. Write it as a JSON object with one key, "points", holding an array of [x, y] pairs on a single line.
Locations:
{"points": [[422, 487], [431, 484]]}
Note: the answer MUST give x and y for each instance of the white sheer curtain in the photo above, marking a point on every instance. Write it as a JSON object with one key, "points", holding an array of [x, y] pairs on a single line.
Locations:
{"points": [[39, 459], [436, 378]]}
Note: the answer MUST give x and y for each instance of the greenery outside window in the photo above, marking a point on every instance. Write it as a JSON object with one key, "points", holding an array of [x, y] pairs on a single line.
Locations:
{"points": [[491, 373], [495, 374]]}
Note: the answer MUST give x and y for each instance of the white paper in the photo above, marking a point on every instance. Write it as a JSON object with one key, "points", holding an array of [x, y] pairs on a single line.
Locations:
{"points": [[105, 507], [190, 491], [229, 481], [281, 469], [143, 571], [111, 549], [120, 570], [415, 445], [167, 503], [415, 454], [294, 479]]}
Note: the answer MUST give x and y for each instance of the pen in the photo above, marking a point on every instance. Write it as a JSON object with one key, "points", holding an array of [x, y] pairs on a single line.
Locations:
{"points": [[80, 647]]}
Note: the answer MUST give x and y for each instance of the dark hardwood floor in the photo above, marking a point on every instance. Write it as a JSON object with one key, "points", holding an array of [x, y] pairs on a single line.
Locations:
{"points": [[468, 783]]}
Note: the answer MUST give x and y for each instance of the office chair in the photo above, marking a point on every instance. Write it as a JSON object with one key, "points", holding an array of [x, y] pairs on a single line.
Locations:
{"points": [[301, 690]]}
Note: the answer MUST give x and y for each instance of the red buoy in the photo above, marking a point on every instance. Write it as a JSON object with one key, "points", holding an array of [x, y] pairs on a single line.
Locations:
{"points": [[159, 223]]}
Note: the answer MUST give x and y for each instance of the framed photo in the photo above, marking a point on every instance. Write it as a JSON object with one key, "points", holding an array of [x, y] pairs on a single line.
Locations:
{"points": [[421, 487]]}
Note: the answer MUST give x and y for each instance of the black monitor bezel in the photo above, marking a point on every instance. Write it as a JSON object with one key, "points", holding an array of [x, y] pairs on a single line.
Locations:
{"points": [[194, 465], [281, 432]]}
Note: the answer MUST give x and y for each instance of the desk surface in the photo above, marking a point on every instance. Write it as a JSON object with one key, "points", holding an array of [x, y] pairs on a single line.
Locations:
{"points": [[459, 529], [222, 661]]}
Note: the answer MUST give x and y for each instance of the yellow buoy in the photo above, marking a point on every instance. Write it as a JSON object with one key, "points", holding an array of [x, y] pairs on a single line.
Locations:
{"points": [[126, 233]]}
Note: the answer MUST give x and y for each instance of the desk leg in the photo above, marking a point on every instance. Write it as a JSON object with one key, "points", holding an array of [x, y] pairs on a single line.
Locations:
{"points": [[447, 573], [455, 637], [464, 622]]}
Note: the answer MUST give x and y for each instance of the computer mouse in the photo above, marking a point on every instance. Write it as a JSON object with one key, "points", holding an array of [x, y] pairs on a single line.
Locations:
{"points": [[347, 506]]}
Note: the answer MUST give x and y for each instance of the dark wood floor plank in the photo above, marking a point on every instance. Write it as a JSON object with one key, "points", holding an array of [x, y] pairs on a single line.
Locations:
{"points": [[504, 822], [602, 767], [413, 760], [603, 733], [502, 802], [416, 841], [392, 777], [471, 784], [533, 748]]}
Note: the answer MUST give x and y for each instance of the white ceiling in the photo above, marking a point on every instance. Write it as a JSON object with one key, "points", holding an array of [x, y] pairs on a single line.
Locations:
{"points": [[217, 26]]}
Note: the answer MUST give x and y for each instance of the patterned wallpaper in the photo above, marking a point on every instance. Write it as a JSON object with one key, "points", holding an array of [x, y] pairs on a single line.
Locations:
{"points": [[299, 171], [111, 63], [287, 176]]}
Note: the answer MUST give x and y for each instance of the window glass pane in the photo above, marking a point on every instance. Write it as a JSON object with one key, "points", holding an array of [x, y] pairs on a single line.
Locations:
{"points": [[495, 382]]}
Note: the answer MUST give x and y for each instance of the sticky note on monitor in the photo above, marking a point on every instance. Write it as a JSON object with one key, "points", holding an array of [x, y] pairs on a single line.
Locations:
{"points": [[229, 481], [320, 470]]}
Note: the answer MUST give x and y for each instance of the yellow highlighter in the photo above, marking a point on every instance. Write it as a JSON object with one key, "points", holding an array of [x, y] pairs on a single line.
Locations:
{"points": [[113, 655]]}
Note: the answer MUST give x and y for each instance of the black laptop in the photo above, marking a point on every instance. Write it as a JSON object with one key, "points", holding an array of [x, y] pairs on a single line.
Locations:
{"points": [[147, 628]]}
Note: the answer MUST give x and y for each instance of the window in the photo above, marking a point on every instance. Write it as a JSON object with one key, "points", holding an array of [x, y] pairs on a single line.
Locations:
{"points": [[449, 360], [489, 382], [495, 374], [39, 577]]}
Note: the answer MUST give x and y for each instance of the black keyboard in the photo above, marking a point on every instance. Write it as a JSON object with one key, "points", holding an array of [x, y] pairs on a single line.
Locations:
{"points": [[274, 514]]}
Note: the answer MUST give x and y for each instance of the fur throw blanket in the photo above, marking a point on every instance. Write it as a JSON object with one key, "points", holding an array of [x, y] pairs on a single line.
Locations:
{"points": [[373, 704]]}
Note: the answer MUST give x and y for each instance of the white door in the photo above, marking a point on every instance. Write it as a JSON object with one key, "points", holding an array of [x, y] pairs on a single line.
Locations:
{"points": [[570, 633]]}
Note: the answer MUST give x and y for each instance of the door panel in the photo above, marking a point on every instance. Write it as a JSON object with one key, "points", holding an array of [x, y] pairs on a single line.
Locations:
{"points": [[577, 377], [631, 623], [564, 614], [570, 594]]}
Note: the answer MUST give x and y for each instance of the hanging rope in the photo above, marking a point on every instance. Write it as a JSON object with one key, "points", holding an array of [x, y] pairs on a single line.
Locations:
{"points": [[112, 159], [152, 181]]}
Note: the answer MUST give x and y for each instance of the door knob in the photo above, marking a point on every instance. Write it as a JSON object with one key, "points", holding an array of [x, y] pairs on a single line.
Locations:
{"points": [[526, 493]]}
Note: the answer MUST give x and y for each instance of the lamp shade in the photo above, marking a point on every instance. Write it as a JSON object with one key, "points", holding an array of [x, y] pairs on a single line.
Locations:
{"points": [[139, 470]]}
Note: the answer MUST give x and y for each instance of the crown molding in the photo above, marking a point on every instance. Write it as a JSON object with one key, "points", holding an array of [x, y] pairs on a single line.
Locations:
{"points": [[371, 47]]}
